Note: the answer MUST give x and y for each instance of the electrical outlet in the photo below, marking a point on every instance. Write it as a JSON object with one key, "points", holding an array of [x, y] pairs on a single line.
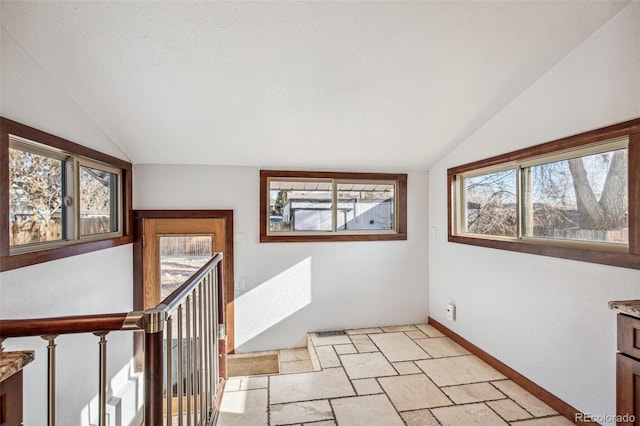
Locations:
{"points": [[451, 312], [240, 284]]}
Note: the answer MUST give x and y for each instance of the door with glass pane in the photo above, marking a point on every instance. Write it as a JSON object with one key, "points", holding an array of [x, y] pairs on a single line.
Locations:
{"points": [[173, 250]]}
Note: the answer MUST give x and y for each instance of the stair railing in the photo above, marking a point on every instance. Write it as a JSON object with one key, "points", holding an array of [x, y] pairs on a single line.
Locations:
{"points": [[191, 312]]}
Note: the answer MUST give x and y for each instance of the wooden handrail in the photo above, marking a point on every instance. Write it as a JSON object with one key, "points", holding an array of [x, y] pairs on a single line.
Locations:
{"points": [[151, 321], [62, 325], [96, 322]]}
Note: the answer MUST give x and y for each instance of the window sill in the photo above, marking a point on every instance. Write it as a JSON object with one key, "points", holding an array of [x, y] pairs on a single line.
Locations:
{"points": [[612, 258], [329, 238], [20, 260]]}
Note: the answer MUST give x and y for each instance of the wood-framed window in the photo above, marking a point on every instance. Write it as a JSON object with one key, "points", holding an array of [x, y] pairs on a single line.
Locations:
{"points": [[332, 206], [575, 198], [58, 198]]}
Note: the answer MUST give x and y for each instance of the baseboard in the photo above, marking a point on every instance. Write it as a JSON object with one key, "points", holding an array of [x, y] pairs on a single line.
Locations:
{"points": [[542, 394]]}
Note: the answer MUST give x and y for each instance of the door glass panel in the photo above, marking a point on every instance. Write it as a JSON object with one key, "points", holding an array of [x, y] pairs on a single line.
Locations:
{"points": [[180, 257]]}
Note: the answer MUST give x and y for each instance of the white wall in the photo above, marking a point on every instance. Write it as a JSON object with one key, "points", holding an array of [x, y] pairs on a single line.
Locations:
{"points": [[97, 282], [294, 288], [30, 96], [545, 317]]}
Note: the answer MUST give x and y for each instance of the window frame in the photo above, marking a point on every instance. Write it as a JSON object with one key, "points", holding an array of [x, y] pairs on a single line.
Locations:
{"points": [[26, 255], [627, 256], [399, 233], [92, 164]]}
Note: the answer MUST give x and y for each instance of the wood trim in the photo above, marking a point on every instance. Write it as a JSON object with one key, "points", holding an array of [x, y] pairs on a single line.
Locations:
{"points": [[35, 135], [629, 260], [623, 260], [127, 200], [403, 202], [628, 335], [138, 291], [12, 400], [223, 371], [4, 193], [451, 204], [575, 141], [542, 394], [264, 190], [8, 261], [329, 238], [27, 259], [402, 197], [302, 174], [633, 157], [153, 379], [62, 325], [228, 259], [627, 398]]}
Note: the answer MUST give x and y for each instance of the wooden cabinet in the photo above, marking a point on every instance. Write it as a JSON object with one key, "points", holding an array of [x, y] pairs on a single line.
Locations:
{"points": [[628, 371], [11, 400], [11, 365]]}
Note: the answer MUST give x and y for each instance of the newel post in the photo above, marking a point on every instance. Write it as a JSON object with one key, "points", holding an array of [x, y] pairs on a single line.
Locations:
{"points": [[153, 365]]}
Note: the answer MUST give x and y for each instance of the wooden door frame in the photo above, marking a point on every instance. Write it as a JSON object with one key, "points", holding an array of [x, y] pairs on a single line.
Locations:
{"points": [[228, 277]]}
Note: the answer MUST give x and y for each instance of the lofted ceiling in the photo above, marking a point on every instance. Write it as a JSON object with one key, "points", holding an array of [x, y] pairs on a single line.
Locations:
{"points": [[324, 84]]}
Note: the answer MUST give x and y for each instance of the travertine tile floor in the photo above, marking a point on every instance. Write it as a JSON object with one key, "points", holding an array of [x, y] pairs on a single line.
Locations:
{"points": [[404, 375]]}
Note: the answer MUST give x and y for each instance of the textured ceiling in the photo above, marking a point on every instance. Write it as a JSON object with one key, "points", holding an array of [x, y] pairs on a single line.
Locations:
{"points": [[338, 85]]}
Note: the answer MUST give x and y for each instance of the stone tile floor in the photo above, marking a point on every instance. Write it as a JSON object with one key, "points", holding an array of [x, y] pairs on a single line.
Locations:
{"points": [[404, 375]]}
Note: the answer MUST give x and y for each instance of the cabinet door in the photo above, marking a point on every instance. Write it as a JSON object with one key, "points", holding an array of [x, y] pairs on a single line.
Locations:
{"points": [[11, 400], [629, 335], [628, 390]]}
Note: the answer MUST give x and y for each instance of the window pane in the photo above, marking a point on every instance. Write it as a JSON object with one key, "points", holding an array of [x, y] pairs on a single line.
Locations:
{"points": [[300, 206], [366, 206], [583, 198], [35, 198], [180, 258], [98, 201], [490, 202]]}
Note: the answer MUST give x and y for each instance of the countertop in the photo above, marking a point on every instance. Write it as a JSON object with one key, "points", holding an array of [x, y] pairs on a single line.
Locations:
{"points": [[627, 307], [12, 362]]}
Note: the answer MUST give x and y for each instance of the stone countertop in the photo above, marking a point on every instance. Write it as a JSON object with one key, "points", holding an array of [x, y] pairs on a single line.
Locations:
{"points": [[627, 307], [12, 362]]}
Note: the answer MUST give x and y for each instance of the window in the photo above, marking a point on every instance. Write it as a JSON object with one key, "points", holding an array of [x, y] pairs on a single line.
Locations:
{"points": [[490, 201], [35, 195], [576, 198], [582, 198], [325, 206], [58, 198], [99, 200]]}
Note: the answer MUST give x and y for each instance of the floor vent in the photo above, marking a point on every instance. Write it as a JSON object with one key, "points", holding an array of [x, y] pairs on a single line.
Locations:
{"points": [[329, 333]]}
